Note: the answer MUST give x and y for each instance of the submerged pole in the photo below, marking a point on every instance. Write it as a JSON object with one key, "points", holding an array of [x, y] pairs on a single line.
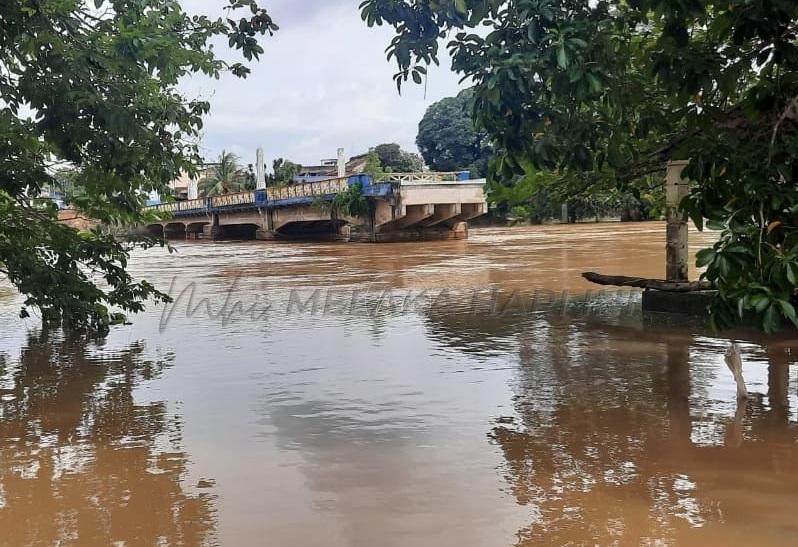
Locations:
{"points": [[676, 245]]}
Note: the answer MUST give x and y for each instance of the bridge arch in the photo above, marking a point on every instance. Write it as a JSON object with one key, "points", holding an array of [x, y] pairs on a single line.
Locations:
{"points": [[194, 230], [242, 231], [174, 230], [155, 230], [313, 228]]}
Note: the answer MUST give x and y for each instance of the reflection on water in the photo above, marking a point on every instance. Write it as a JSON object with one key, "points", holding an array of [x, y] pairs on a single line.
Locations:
{"points": [[81, 462], [580, 423]]}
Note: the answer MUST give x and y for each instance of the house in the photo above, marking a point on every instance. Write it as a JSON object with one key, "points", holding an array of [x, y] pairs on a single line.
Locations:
{"points": [[328, 169]]}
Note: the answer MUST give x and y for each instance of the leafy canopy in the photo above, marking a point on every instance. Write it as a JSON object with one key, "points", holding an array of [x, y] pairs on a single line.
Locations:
{"points": [[448, 139], [94, 88], [394, 159], [226, 177], [612, 89], [284, 172]]}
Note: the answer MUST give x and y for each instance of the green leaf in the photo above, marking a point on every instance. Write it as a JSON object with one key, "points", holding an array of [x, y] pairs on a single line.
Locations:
{"points": [[562, 57], [705, 257], [771, 322]]}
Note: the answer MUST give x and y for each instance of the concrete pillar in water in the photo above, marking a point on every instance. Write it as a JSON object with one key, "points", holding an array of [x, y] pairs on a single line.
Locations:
{"points": [[564, 213], [341, 164], [260, 180], [676, 189]]}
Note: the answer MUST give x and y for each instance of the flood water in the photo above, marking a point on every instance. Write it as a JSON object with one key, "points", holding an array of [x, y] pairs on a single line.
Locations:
{"points": [[429, 394]]}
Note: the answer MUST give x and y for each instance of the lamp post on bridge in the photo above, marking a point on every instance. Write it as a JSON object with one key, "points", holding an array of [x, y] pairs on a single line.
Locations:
{"points": [[341, 164], [260, 181]]}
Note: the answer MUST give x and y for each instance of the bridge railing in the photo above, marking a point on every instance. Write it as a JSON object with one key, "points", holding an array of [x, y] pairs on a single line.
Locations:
{"points": [[231, 200], [192, 204], [430, 176], [308, 189], [166, 207]]}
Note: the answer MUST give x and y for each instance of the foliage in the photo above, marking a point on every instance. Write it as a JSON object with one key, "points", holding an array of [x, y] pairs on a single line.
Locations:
{"points": [[529, 197], [226, 177], [373, 166], [65, 182], [351, 203], [284, 172], [615, 88], [395, 160], [448, 139], [538, 195], [95, 88]]}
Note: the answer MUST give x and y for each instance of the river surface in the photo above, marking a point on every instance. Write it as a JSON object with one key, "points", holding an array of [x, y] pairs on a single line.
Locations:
{"points": [[470, 393]]}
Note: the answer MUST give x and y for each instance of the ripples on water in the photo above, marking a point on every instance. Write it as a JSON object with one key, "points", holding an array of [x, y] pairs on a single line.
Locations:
{"points": [[439, 424]]}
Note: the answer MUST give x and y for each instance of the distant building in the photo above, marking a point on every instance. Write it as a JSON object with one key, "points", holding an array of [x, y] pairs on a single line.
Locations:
{"points": [[185, 187], [328, 169]]}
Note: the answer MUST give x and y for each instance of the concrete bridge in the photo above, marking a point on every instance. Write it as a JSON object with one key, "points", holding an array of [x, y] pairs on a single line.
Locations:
{"points": [[402, 207]]}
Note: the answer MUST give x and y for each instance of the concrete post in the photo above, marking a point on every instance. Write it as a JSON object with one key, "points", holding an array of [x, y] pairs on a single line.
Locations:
{"points": [[676, 245], [564, 213], [193, 189], [260, 180], [341, 164]]}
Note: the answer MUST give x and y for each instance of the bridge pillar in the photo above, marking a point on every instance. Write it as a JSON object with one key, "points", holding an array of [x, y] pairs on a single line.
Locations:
{"points": [[443, 212], [414, 214], [216, 229]]}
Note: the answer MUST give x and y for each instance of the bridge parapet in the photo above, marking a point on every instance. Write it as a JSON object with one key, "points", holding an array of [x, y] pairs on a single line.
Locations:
{"points": [[425, 177], [232, 200], [388, 186], [309, 189]]}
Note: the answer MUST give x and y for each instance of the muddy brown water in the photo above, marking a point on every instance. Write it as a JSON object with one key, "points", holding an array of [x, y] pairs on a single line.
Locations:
{"points": [[435, 394]]}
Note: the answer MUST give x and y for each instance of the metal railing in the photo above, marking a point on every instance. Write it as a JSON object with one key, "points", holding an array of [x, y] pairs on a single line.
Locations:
{"points": [[192, 204], [308, 189], [230, 200], [424, 177]]}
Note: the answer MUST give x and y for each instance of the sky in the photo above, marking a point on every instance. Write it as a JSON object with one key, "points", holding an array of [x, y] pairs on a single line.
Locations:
{"points": [[322, 83]]}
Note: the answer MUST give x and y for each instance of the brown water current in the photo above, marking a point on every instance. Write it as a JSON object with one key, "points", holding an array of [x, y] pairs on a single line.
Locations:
{"points": [[468, 393]]}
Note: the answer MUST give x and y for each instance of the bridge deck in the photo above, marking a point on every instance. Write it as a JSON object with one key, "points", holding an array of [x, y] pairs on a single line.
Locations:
{"points": [[306, 193]]}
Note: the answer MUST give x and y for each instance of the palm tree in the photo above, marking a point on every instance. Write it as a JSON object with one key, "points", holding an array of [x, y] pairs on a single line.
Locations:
{"points": [[226, 177]]}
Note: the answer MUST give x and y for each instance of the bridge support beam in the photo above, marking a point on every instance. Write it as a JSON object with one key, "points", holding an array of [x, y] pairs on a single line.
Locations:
{"points": [[470, 210], [414, 214], [443, 212]]}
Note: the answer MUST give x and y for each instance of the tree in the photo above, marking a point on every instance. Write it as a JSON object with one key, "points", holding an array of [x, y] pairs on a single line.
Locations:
{"points": [[95, 88], [394, 159], [606, 92], [284, 171], [448, 139], [226, 177], [373, 166]]}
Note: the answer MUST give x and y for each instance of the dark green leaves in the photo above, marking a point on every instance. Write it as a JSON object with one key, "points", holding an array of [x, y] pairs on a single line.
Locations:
{"points": [[102, 103], [612, 90]]}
